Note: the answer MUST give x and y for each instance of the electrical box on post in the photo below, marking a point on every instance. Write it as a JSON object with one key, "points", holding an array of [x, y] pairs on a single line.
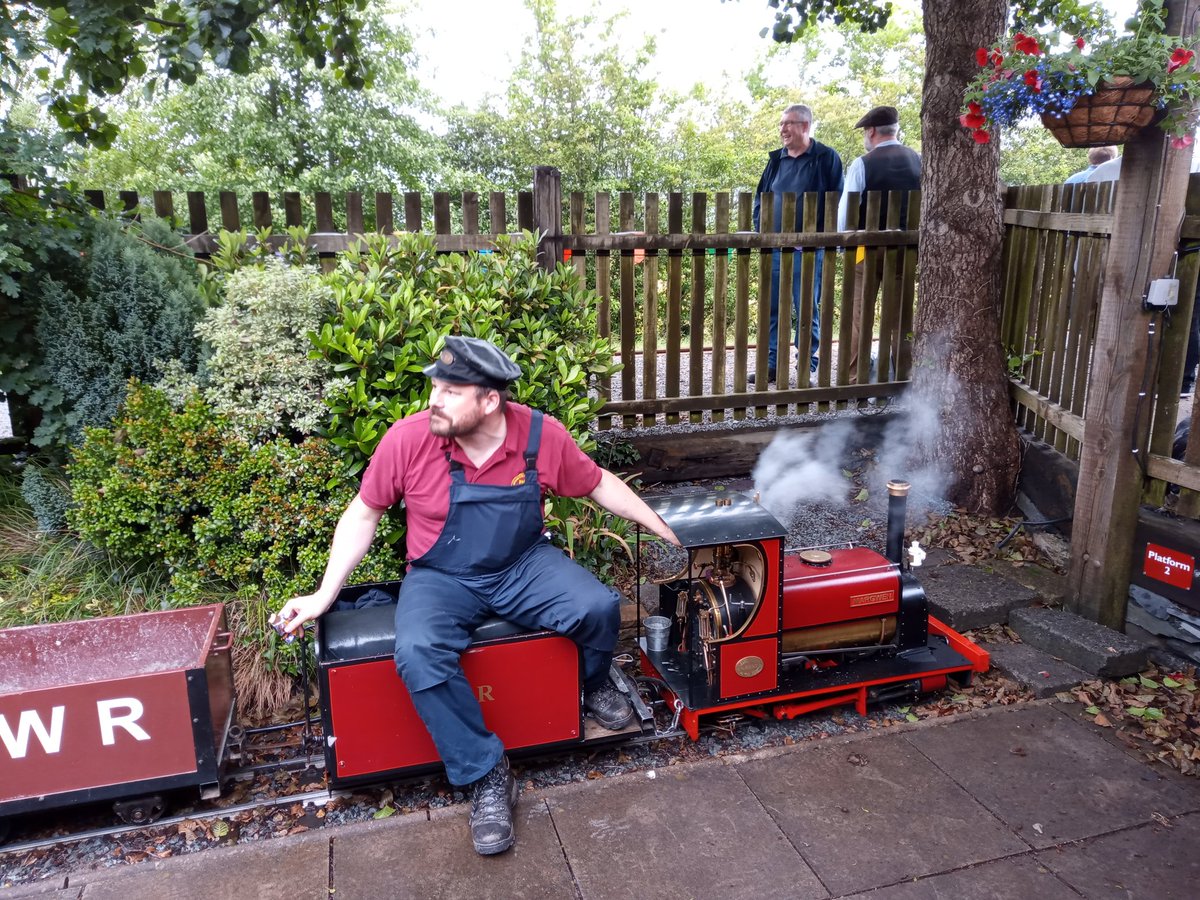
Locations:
{"points": [[1163, 294]]}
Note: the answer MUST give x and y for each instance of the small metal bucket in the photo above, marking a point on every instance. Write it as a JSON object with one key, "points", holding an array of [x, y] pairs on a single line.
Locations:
{"points": [[658, 633]]}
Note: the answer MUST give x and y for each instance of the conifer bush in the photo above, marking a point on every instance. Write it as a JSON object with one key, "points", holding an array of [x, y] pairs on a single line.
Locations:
{"points": [[135, 308]]}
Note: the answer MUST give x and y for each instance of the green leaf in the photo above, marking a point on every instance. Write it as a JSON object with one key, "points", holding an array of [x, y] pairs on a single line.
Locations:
{"points": [[1147, 682], [384, 812], [1170, 682], [1092, 710]]}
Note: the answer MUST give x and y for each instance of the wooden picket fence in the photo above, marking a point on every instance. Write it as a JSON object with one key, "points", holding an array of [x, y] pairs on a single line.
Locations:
{"points": [[685, 307], [1056, 241]]}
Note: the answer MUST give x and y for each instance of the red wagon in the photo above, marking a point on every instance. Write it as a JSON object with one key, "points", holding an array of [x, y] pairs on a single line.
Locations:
{"points": [[122, 708]]}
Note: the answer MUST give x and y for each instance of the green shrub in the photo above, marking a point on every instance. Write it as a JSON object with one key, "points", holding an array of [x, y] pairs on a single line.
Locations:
{"points": [[136, 308], [258, 373], [237, 249], [46, 490], [180, 491]]}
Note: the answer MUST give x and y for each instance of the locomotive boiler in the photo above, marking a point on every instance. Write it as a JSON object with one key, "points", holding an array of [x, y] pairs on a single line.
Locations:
{"points": [[759, 629]]}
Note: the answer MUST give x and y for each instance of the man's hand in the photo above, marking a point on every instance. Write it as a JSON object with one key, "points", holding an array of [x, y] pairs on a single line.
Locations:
{"points": [[296, 612]]}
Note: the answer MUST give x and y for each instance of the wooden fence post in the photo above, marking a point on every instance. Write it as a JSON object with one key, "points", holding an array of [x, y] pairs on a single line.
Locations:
{"points": [[547, 215], [1149, 209]]}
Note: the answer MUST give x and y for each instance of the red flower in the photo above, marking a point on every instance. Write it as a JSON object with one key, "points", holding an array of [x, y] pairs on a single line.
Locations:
{"points": [[1079, 42], [997, 58], [981, 56], [972, 120], [1179, 57], [1181, 141], [1027, 44], [981, 136], [1031, 79]]}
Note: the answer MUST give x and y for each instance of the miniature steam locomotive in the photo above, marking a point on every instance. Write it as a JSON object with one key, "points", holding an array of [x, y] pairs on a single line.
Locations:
{"points": [[752, 628]]}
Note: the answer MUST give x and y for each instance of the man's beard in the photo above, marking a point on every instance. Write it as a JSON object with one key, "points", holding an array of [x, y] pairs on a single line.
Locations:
{"points": [[442, 426]]}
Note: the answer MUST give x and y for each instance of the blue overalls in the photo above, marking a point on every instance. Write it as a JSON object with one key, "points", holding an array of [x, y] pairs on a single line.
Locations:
{"points": [[491, 559]]}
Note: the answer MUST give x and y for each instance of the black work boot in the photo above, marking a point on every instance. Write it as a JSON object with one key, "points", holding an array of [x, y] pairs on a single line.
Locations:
{"points": [[608, 706], [493, 798]]}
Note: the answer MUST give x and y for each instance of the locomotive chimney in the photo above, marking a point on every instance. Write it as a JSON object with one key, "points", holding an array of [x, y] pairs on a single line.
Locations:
{"points": [[897, 505]]}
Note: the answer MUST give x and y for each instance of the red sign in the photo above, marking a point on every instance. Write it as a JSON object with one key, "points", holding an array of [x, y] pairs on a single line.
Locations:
{"points": [[1171, 566]]}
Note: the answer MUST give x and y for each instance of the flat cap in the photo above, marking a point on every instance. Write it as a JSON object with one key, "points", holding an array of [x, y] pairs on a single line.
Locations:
{"points": [[880, 115], [469, 360]]}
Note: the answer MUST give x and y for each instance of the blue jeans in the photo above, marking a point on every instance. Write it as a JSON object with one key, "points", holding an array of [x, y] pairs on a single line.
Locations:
{"points": [[773, 337]]}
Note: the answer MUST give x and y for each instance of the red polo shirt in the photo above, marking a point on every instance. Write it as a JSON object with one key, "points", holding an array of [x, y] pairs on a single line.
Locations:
{"points": [[410, 464]]}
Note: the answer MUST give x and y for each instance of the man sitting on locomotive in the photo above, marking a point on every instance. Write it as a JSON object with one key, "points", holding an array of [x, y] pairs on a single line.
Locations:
{"points": [[471, 470]]}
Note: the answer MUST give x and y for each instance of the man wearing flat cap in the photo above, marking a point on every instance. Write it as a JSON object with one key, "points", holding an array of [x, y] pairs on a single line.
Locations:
{"points": [[472, 470], [886, 166]]}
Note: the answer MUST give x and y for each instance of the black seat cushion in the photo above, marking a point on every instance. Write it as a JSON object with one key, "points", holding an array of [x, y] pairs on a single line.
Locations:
{"points": [[347, 633]]}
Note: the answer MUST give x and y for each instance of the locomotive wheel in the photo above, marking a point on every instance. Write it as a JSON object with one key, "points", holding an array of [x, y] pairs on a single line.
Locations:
{"points": [[140, 810]]}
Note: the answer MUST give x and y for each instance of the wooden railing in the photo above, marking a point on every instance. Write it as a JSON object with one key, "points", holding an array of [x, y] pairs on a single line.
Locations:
{"points": [[685, 307], [1056, 241]]}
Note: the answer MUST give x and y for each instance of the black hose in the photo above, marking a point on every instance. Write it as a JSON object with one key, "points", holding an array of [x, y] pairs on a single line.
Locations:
{"points": [[1025, 523]]}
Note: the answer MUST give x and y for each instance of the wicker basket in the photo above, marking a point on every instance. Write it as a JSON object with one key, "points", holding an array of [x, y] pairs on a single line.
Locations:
{"points": [[1117, 111]]}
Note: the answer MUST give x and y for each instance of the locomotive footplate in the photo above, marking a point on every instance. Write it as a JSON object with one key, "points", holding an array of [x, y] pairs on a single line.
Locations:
{"points": [[803, 689]]}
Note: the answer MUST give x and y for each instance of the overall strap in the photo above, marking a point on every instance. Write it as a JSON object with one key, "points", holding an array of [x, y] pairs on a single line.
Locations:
{"points": [[535, 440]]}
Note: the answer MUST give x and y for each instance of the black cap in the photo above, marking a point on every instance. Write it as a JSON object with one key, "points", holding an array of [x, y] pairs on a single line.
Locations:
{"points": [[880, 115], [468, 360]]}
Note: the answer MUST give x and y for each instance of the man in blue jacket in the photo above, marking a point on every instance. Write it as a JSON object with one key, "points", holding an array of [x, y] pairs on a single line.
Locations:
{"points": [[801, 165]]}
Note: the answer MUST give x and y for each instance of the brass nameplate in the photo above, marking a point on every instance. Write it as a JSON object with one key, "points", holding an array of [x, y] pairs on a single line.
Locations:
{"points": [[868, 599], [748, 666]]}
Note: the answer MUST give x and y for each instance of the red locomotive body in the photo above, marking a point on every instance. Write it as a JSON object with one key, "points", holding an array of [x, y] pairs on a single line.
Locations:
{"points": [[761, 630]]}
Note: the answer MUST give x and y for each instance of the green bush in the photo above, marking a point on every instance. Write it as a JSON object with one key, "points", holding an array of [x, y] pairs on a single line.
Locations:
{"points": [[258, 373], [137, 308], [179, 490], [46, 490]]}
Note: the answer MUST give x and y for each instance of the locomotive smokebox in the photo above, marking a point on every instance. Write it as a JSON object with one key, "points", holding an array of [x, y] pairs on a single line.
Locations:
{"points": [[897, 512]]}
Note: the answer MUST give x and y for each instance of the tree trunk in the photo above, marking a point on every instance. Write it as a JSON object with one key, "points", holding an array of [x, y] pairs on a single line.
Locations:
{"points": [[959, 373]]}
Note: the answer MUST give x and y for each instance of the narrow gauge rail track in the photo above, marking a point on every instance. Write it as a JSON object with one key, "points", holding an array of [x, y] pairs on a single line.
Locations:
{"points": [[317, 798]]}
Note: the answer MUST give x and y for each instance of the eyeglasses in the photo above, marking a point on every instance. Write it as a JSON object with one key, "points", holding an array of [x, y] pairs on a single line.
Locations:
{"points": [[792, 123]]}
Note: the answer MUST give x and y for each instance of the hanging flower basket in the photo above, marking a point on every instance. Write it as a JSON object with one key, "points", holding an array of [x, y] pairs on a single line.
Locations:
{"points": [[1117, 111]]}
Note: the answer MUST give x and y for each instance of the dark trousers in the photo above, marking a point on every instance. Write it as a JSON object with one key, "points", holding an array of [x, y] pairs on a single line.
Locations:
{"points": [[773, 337], [434, 620]]}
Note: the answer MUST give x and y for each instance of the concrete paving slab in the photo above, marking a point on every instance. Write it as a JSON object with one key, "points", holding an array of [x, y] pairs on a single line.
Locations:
{"points": [[861, 814], [435, 859], [241, 871], [1049, 778], [969, 597], [1037, 670], [1081, 642], [1151, 861], [689, 832], [1017, 878]]}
